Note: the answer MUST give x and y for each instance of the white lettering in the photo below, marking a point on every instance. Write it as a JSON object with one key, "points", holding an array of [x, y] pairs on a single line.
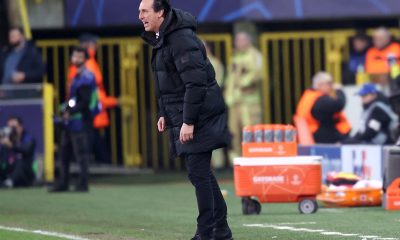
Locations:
{"points": [[268, 179]]}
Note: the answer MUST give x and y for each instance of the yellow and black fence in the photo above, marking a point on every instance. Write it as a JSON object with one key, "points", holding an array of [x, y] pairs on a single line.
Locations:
{"points": [[125, 63], [290, 61]]}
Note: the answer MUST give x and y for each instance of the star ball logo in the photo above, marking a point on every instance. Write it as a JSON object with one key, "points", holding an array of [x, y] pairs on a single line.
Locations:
{"points": [[296, 180]]}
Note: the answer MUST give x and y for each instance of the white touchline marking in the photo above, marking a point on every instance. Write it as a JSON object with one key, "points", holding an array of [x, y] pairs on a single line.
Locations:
{"points": [[44, 233], [297, 223], [330, 210], [319, 231]]}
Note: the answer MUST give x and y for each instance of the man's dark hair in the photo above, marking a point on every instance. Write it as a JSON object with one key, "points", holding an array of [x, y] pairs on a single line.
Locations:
{"points": [[18, 119], [159, 5], [19, 29], [361, 35], [81, 50], [88, 37]]}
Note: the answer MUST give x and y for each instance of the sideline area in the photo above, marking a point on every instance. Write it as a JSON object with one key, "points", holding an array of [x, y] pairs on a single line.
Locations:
{"points": [[148, 208]]}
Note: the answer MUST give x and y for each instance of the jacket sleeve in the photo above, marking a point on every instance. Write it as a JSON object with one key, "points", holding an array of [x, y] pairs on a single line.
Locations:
{"points": [[378, 119], [36, 68], [326, 106], [191, 65], [25, 148], [84, 94]]}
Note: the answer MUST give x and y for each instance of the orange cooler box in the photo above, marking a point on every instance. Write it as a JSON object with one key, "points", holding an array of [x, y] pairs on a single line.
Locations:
{"points": [[392, 198], [278, 180]]}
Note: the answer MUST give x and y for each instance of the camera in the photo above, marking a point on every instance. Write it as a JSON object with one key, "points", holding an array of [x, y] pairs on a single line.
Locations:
{"points": [[5, 132]]}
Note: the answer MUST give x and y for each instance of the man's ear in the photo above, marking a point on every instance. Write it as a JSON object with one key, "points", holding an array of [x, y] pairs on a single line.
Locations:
{"points": [[161, 13]]}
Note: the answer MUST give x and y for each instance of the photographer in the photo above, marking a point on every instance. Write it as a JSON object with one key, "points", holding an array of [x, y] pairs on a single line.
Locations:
{"points": [[17, 149]]}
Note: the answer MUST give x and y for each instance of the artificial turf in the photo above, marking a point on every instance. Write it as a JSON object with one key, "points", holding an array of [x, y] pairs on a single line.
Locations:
{"points": [[163, 206]]}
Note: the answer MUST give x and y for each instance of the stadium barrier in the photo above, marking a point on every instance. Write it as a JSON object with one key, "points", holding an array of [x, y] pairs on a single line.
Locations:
{"points": [[290, 61], [126, 68]]}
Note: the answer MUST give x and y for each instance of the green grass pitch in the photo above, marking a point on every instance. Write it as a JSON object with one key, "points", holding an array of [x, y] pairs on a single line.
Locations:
{"points": [[163, 206]]}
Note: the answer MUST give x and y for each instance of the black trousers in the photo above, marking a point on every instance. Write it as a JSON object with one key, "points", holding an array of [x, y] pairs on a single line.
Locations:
{"points": [[210, 202], [100, 150], [78, 146], [20, 171]]}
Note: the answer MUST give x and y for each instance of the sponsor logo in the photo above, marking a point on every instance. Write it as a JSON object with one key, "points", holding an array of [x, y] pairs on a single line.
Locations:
{"points": [[260, 150], [396, 203], [268, 179], [296, 180], [281, 149]]}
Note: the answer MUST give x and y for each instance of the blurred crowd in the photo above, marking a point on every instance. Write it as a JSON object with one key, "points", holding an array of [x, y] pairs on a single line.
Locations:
{"points": [[374, 66]]}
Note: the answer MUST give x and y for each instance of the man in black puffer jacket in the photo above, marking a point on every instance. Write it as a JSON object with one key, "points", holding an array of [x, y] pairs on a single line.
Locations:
{"points": [[190, 104]]}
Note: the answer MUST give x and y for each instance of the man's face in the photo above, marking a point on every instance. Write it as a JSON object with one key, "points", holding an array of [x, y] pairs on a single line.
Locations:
{"points": [[13, 124], [360, 44], [151, 20], [368, 98], [381, 38], [15, 37], [90, 47], [242, 41], [326, 86], [78, 59]]}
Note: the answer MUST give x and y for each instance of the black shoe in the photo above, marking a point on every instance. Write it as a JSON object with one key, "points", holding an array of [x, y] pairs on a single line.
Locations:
{"points": [[199, 237], [196, 237], [58, 188], [223, 233], [80, 188]]}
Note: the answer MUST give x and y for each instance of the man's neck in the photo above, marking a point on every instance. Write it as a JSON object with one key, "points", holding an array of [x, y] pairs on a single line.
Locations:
{"points": [[20, 46], [79, 69]]}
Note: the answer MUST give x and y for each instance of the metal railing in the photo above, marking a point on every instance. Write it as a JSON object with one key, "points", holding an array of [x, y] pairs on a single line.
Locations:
{"points": [[291, 59], [126, 67]]}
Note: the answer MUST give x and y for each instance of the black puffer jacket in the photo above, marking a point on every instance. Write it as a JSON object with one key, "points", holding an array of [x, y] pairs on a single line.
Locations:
{"points": [[186, 87]]}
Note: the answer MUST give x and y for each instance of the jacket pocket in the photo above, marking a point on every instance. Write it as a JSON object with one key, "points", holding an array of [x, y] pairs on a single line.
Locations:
{"points": [[175, 114]]}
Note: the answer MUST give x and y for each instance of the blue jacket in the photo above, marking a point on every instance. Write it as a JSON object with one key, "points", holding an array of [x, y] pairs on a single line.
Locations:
{"points": [[83, 102]]}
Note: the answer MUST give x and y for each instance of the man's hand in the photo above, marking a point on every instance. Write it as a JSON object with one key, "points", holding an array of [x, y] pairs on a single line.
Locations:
{"points": [[186, 134], [6, 142], [161, 124], [18, 77]]}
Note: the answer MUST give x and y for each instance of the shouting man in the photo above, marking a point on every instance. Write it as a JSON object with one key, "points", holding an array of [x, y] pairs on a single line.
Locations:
{"points": [[191, 106]]}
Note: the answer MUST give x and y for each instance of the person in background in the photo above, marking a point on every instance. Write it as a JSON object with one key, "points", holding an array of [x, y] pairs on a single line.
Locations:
{"points": [[378, 121], [321, 107], [218, 156], [217, 64], [20, 62], [78, 114], [359, 47], [17, 152], [102, 120], [380, 56], [242, 91]]}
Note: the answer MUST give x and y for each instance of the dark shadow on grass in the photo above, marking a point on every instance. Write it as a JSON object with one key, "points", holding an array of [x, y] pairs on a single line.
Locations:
{"points": [[152, 178]]}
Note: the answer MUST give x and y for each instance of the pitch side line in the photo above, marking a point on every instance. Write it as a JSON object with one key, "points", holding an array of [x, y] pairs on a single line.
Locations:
{"points": [[318, 231], [44, 233]]}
